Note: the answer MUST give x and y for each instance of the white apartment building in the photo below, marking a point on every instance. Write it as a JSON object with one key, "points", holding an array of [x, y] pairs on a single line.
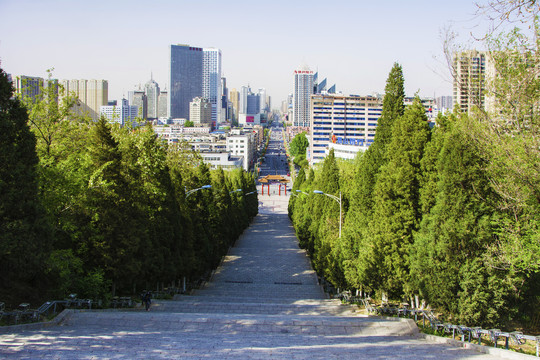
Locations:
{"points": [[344, 120], [470, 70], [242, 144], [303, 89]]}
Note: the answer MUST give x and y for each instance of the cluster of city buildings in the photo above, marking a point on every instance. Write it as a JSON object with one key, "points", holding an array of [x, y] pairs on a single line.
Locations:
{"points": [[347, 123], [198, 93], [225, 127]]}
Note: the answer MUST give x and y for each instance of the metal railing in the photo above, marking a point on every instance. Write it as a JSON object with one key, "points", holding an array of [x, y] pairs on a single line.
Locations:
{"points": [[465, 333]]}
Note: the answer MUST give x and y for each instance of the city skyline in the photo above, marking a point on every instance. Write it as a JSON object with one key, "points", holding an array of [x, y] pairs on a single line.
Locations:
{"points": [[355, 45]]}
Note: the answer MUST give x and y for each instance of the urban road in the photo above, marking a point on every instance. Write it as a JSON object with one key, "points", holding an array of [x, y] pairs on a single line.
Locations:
{"points": [[263, 302]]}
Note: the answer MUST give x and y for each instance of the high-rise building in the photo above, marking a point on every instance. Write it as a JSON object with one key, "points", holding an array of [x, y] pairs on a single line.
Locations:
{"points": [[152, 91], [28, 86], [138, 98], [262, 98], [185, 78], [234, 97], [470, 69], [163, 107], [343, 120], [119, 114], [253, 104], [211, 80], [242, 99], [91, 95], [303, 89], [444, 103], [200, 111]]}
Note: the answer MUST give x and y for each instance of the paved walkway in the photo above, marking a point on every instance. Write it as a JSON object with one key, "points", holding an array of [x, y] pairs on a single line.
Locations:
{"points": [[262, 303]]}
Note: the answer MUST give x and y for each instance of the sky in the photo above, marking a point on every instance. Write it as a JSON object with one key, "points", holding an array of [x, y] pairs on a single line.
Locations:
{"points": [[353, 43]]}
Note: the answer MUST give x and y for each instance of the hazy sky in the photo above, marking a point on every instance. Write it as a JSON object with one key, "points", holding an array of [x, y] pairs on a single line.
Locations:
{"points": [[353, 43]]}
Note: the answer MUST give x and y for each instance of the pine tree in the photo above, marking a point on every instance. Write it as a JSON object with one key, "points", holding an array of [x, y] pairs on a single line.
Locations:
{"points": [[25, 234]]}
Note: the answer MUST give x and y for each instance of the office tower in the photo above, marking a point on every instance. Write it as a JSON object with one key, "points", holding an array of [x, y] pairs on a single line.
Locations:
{"points": [[303, 88], [200, 111], [470, 79], [185, 78], [120, 114], [342, 119], [138, 98], [262, 98], [211, 79], [163, 104], [242, 101], [224, 113], [152, 91], [28, 86], [253, 104], [234, 97]]}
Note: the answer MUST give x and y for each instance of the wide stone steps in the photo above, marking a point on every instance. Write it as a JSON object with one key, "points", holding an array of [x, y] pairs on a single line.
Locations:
{"points": [[209, 323], [230, 306]]}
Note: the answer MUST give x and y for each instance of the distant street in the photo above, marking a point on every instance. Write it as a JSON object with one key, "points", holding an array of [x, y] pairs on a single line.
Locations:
{"points": [[275, 161]]}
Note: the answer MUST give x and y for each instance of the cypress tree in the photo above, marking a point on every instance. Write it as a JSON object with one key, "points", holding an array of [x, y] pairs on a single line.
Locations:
{"points": [[396, 199], [25, 234], [360, 261]]}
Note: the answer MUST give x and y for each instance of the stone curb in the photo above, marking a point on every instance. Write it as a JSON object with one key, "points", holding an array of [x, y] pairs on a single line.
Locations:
{"points": [[502, 353], [37, 325]]}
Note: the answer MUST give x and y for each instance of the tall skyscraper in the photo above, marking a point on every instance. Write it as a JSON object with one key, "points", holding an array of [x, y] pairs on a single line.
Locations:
{"points": [[163, 104], [185, 78], [234, 97], [151, 89], [262, 99], [211, 79], [138, 98], [303, 88]]}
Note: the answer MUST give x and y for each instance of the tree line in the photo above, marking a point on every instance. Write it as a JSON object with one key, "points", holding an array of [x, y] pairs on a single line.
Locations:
{"points": [[448, 214], [100, 210]]}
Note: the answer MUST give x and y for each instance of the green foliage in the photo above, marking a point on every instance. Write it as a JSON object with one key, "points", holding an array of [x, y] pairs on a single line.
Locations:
{"points": [[25, 232], [299, 145], [189, 123], [116, 200], [449, 214]]}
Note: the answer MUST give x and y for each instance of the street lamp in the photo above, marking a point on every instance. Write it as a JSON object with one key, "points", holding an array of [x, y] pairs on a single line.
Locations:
{"points": [[338, 199], [300, 192], [201, 188], [251, 193], [237, 190]]}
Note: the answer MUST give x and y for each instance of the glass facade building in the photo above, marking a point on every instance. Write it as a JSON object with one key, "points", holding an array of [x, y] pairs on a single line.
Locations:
{"points": [[185, 79]]}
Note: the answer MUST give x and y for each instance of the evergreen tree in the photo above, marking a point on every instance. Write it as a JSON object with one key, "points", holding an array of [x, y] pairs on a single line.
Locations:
{"points": [[447, 259], [396, 199], [360, 262], [25, 234]]}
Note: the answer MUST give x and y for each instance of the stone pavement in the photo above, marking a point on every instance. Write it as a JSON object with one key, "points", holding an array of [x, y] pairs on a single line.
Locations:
{"points": [[262, 303]]}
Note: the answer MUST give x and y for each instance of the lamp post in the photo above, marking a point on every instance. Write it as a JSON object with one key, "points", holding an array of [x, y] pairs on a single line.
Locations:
{"points": [[201, 188], [338, 199], [300, 192]]}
